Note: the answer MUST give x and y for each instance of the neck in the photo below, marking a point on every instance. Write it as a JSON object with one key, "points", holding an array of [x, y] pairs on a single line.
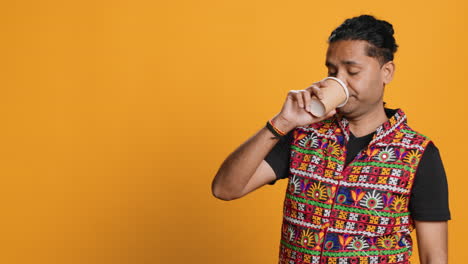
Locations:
{"points": [[368, 122]]}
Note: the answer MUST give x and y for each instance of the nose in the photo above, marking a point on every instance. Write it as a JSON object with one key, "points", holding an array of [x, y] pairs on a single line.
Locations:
{"points": [[342, 77]]}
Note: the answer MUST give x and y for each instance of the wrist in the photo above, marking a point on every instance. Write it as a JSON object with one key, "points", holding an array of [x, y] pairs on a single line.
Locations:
{"points": [[282, 123]]}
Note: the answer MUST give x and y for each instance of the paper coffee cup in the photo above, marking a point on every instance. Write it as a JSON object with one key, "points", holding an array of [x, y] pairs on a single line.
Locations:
{"points": [[335, 94]]}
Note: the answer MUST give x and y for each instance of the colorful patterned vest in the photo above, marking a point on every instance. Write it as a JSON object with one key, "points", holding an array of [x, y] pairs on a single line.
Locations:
{"points": [[356, 213]]}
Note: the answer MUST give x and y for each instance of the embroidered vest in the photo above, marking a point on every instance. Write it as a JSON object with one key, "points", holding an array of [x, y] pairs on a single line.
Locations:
{"points": [[356, 213]]}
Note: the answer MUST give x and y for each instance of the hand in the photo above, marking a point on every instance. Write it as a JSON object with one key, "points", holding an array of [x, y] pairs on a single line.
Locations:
{"points": [[296, 109]]}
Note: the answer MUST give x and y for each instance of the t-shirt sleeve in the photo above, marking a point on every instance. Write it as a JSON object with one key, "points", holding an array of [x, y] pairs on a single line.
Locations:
{"points": [[429, 196], [278, 157]]}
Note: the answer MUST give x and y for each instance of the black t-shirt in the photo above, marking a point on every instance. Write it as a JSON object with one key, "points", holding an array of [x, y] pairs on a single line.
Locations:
{"points": [[429, 195]]}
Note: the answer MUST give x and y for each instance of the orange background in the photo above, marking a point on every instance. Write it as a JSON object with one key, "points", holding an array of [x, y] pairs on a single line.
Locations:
{"points": [[116, 116]]}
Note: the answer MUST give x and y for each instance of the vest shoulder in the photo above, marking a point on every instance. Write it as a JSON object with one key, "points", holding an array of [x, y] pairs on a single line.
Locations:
{"points": [[415, 134]]}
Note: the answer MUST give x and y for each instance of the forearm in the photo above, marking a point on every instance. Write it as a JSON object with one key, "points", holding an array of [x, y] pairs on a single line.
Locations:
{"points": [[435, 254], [432, 239], [236, 171]]}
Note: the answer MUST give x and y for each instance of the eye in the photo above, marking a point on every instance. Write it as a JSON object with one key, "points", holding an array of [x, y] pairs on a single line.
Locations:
{"points": [[331, 73], [353, 73]]}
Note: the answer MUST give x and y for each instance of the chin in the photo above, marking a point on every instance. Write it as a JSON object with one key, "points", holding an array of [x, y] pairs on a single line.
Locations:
{"points": [[348, 110]]}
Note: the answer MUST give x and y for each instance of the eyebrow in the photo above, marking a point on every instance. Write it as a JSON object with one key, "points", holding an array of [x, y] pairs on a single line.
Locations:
{"points": [[346, 62]]}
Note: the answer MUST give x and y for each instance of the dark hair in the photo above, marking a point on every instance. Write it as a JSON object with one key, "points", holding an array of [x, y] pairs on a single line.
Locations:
{"points": [[378, 33]]}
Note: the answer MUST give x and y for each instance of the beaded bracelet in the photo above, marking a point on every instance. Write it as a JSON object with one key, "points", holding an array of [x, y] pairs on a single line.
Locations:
{"points": [[276, 131]]}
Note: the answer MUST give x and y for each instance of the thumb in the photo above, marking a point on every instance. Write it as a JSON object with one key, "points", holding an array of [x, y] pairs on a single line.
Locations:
{"points": [[330, 114]]}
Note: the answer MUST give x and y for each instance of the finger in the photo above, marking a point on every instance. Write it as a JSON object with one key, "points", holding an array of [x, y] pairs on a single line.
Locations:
{"points": [[292, 93], [298, 97], [317, 92], [315, 83], [306, 97], [321, 83]]}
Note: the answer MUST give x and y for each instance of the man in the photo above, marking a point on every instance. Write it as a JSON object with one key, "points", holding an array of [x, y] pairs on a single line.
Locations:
{"points": [[360, 178]]}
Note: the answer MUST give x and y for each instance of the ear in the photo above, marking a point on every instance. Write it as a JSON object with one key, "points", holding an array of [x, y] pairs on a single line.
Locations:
{"points": [[387, 70]]}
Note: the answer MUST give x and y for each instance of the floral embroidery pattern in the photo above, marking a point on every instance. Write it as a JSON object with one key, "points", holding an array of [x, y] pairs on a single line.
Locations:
{"points": [[372, 200]]}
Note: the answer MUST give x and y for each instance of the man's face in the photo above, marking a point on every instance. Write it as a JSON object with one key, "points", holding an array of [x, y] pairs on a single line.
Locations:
{"points": [[364, 76]]}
